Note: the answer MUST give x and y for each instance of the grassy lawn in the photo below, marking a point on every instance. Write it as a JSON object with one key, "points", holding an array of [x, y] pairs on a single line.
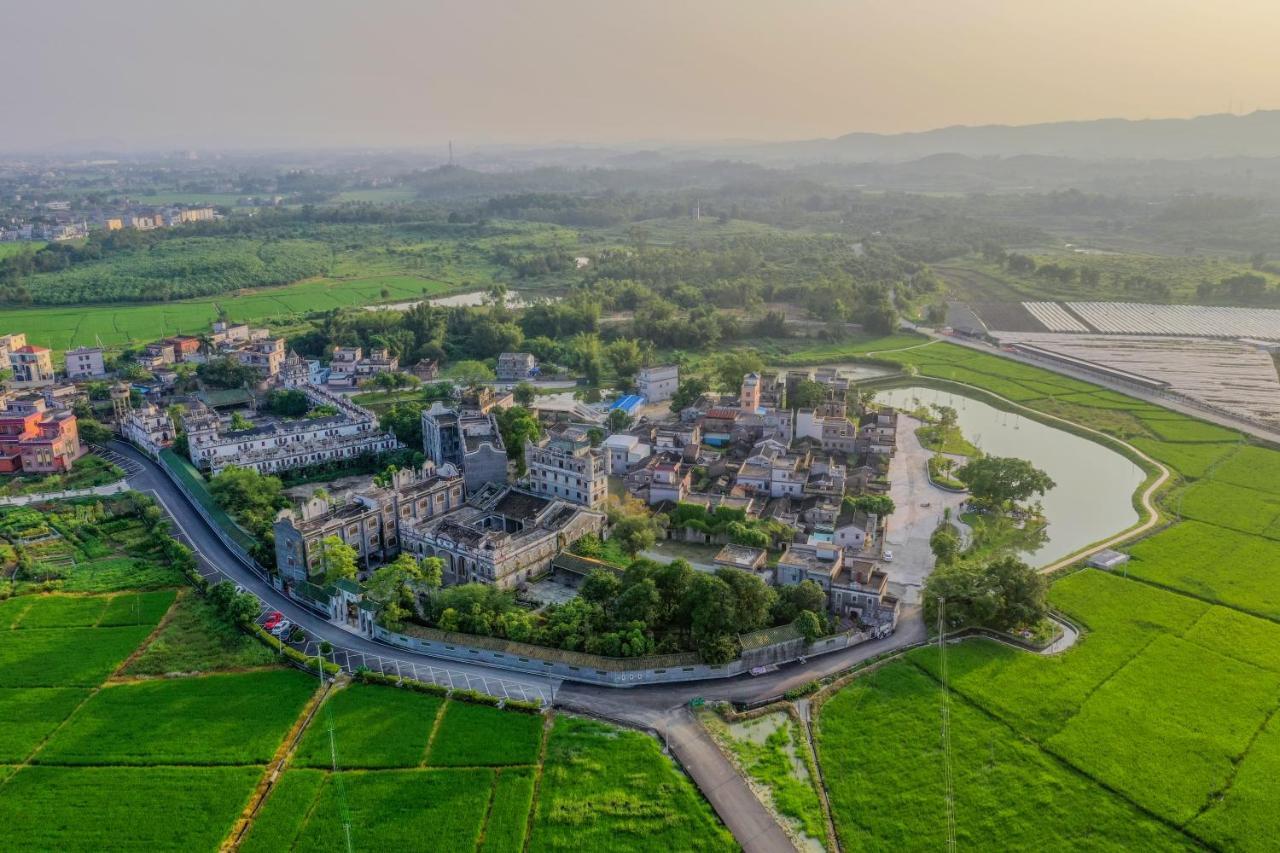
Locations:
{"points": [[879, 745], [609, 789], [372, 727], [122, 808], [1038, 695], [477, 735], [113, 574], [1246, 817], [1212, 562], [197, 639], [240, 719]]}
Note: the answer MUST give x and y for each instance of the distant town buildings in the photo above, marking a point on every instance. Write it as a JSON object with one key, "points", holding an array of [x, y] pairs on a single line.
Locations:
{"points": [[350, 366], [148, 427], [31, 366]]}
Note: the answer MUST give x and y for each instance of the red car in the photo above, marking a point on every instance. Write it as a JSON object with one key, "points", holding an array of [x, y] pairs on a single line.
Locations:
{"points": [[273, 620]]}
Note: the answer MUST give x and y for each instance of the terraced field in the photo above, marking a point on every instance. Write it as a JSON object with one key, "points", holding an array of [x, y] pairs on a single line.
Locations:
{"points": [[1160, 725]]}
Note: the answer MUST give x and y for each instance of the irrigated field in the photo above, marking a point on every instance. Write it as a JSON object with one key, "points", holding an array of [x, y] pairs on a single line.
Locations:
{"points": [[1159, 725], [99, 756], [411, 766]]}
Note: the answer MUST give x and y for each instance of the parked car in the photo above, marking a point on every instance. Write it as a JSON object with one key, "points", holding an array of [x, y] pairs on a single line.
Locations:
{"points": [[888, 556], [273, 620], [282, 628]]}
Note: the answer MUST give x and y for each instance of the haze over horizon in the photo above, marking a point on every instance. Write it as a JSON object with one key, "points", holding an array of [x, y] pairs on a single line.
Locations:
{"points": [[401, 74]]}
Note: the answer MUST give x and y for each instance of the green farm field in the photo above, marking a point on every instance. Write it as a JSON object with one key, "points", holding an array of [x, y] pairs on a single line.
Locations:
{"points": [[1160, 723], [471, 768], [117, 325], [975, 280]]}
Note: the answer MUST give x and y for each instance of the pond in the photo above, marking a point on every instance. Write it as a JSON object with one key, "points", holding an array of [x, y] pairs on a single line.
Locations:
{"points": [[1093, 498], [464, 300]]}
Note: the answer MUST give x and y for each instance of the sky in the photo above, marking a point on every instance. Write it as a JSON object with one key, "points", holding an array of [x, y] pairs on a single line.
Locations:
{"points": [[158, 74]]}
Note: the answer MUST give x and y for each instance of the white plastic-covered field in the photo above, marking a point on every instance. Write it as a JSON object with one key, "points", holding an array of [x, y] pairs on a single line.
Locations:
{"points": [[1054, 317], [1119, 318], [1229, 375]]}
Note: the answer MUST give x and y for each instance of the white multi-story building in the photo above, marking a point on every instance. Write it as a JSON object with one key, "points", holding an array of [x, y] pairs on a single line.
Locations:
{"points": [[149, 427], [85, 363], [567, 467], [656, 384], [282, 445]]}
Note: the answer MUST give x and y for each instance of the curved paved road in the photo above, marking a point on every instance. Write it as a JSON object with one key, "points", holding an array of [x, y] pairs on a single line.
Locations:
{"points": [[217, 562], [662, 709]]}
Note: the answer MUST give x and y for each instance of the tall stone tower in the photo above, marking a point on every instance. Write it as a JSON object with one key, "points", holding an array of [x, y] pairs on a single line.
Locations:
{"points": [[120, 403]]}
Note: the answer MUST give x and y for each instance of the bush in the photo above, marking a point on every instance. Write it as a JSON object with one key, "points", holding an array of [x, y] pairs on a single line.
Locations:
{"points": [[803, 690]]}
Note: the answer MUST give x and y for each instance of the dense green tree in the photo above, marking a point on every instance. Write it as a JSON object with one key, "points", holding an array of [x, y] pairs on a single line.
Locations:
{"points": [[1001, 595], [404, 421], [626, 357], [807, 394], [880, 505], [944, 542], [798, 598], [754, 600], [688, 392], [337, 560], [251, 497], [516, 425], [731, 366], [1001, 480], [525, 393], [226, 372], [468, 374]]}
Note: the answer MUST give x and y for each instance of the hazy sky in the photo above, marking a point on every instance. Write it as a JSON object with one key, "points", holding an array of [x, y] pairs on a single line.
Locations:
{"points": [[210, 73]]}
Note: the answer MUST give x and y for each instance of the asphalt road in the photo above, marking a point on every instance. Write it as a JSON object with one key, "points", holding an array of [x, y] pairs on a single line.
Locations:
{"points": [[662, 709], [216, 562]]}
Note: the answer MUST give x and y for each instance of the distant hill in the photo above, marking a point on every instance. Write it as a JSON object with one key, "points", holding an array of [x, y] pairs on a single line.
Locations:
{"points": [[1254, 135]]}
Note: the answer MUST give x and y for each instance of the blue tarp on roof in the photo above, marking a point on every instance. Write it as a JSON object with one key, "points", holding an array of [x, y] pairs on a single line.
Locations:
{"points": [[628, 404]]}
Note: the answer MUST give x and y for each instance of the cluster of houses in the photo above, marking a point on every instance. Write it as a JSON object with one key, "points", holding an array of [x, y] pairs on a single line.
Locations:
{"points": [[754, 454], [57, 221], [748, 452]]}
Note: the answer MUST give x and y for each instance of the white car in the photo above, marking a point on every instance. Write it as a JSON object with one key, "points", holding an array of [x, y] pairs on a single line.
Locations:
{"points": [[887, 556], [283, 629]]}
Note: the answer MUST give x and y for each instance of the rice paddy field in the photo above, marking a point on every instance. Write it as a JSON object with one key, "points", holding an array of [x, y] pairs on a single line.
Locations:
{"points": [[120, 324], [1157, 730], [132, 719], [412, 769]]}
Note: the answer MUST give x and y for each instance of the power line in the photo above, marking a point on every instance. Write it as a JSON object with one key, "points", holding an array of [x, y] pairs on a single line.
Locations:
{"points": [[947, 775], [344, 813]]}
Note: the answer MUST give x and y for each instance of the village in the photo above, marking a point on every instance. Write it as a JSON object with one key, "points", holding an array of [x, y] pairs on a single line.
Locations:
{"points": [[740, 481]]}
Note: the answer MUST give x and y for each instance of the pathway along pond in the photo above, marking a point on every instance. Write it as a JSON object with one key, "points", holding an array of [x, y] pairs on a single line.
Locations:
{"points": [[1094, 495]]}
